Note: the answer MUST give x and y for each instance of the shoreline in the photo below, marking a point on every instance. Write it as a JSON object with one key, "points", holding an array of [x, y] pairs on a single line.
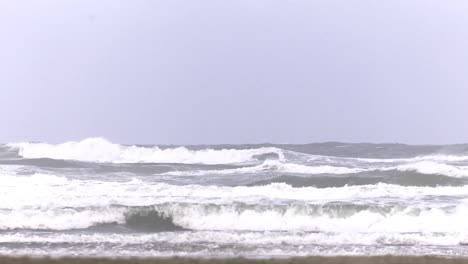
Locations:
{"points": [[390, 259]]}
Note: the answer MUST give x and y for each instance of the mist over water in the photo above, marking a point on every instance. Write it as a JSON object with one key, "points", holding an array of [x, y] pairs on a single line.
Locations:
{"points": [[98, 198]]}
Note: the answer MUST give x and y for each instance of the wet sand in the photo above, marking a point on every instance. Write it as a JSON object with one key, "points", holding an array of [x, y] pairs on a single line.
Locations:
{"points": [[321, 260]]}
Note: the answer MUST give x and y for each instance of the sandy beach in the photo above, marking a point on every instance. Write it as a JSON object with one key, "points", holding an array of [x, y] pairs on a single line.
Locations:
{"points": [[322, 260]]}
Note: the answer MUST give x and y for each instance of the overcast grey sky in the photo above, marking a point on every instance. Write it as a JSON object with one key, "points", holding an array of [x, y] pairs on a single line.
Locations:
{"points": [[240, 71]]}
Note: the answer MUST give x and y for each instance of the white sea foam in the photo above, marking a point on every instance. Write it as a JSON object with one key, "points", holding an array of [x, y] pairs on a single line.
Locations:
{"points": [[431, 167], [206, 217], [47, 201], [409, 220], [424, 167], [274, 218], [273, 166], [58, 218], [101, 150], [48, 191], [247, 238], [213, 250], [435, 158]]}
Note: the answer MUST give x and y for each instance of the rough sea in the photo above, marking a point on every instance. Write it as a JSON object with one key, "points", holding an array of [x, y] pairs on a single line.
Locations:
{"points": [[98, 198]]}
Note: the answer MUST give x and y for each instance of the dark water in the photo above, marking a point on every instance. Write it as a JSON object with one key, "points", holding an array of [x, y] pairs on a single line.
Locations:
{"points": [[96, 198]]}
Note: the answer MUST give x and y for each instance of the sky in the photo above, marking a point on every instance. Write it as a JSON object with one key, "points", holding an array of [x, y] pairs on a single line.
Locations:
{"points": [[234, 71]]}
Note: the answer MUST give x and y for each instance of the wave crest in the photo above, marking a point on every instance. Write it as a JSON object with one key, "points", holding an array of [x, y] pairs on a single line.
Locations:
{"points": [[246, 217], [102, 150]]}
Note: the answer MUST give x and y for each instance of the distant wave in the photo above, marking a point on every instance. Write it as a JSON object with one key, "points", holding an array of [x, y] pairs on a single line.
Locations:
{"points": [[273, 166], [430, 167], [274, 159], [389, 177], [101, 150], [435, 158], [423, 167]]}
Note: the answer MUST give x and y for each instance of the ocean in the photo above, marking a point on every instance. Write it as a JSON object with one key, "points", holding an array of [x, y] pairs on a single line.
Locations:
{"points": [[98, 198]]}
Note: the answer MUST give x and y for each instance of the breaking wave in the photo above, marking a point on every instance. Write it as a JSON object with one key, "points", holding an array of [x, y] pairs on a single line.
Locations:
{"points": [[69, 218], [98, 197], [245, 217], [388, 177], [430, 167], [58, 203], [101, 150], [274, 159], [423, 167], [48, 191], [273, 166]]}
